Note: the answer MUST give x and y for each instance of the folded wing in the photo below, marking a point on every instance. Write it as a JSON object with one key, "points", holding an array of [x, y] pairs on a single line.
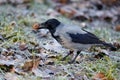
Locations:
{"points": [[87, 38]]}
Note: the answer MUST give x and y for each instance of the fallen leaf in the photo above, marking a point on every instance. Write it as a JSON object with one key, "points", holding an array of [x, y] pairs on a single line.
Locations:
{"points": [[99, 76], [67, 11], [117, 28], [109, 2], [36, 26], [63, 1], [31, 64]]}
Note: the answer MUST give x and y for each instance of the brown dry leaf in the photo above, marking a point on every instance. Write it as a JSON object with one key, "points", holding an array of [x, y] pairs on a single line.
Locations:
{"points": [[36, 63], [67, 11], [99, 76], [117, 28], [36, 26], [109, 2], [63, 1], [31, 64]]}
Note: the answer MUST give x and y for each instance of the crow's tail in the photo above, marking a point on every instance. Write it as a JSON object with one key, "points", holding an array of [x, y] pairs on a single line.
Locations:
{"points": [[112, 47]]}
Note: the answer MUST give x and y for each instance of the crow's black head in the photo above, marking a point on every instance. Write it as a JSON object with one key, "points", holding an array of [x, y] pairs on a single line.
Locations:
{"points": [[50, 24]]}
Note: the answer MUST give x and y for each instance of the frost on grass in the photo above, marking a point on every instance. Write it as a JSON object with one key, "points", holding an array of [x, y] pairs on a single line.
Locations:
{"points": [[35, 55]]}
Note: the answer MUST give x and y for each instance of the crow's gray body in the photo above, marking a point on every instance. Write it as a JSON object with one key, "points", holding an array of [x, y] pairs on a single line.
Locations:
{"points": [[64, 31]]}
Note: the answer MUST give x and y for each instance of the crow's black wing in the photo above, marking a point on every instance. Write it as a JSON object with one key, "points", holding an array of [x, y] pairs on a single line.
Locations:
{"points": [[91, 34], [89, 38], [86, 38]]}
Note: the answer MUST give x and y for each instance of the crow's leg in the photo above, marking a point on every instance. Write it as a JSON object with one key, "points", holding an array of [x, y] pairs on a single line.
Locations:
{"points": [[73, 60], [70, 52]]}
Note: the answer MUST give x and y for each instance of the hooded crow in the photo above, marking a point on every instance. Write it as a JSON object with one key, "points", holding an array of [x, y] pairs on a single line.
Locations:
{"points": [[72, 37]]}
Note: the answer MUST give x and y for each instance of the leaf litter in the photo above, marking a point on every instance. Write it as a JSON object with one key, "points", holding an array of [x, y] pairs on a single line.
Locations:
{"points": [[35, 55]]}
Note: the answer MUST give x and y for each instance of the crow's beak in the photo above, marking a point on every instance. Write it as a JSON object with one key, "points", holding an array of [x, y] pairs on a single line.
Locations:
{"points": [[42, 26], [38, 26]]}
